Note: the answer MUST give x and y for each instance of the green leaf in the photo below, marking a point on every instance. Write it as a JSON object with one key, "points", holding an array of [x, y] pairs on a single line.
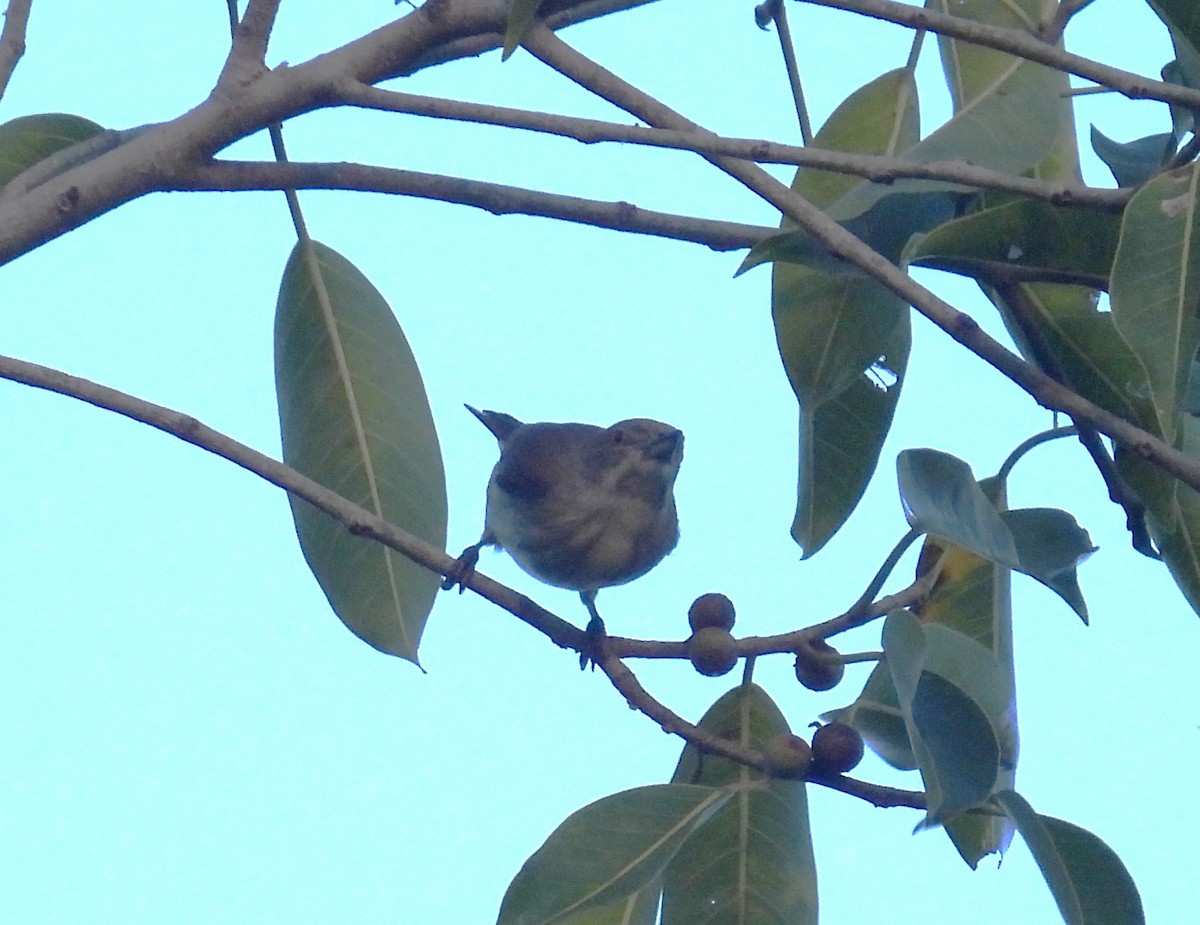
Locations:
{"points": [[753, 862], [354, 417], [520, 18], [1024, 240], [886, 227], [1172, 512], [832, 328], [1182, 17], [941, 497], [956, 745], [1156, 286], [607, 851], [1050, 545], [1134, 162], [1088, 881], [840, 442], [28, 139], [640, 908]]}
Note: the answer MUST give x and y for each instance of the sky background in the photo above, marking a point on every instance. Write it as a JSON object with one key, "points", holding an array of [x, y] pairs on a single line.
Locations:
{"points": [[188, 733]]}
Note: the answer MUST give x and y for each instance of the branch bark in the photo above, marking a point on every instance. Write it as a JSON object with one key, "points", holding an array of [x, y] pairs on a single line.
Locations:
{"points": [[12, 39], [871, 167], [491, 197]]}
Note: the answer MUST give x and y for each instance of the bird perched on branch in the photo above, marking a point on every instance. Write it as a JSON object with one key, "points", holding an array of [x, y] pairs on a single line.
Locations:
{"points": [[579, 506]]}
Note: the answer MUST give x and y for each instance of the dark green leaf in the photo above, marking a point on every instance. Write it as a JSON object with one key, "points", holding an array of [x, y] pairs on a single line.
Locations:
{"points": [[1183, 19], [886, 227], [520, 18], [1088, 881], [955, 743], [941, 497], [354, 417], [1134, 162], [607, 851], [753, 862], [1156, 287], [1050, 545], [1024, 240], [28, 139]]}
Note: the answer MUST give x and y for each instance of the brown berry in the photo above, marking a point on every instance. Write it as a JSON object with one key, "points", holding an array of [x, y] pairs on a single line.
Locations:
{"points": [[836, 748], [819, 666], [788, 756], [712, 609], [713, 651]]}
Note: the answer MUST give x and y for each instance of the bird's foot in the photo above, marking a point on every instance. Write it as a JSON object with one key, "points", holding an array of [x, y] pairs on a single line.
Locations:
{"points": [[596, 634], [463, 567]]}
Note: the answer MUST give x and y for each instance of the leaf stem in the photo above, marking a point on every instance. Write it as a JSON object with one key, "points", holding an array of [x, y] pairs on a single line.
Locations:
{"points": [[1026, 445], [779, 14]]}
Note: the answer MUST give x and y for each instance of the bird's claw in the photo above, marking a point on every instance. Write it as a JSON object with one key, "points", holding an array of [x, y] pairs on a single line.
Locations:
{"points": [[464, 567]]}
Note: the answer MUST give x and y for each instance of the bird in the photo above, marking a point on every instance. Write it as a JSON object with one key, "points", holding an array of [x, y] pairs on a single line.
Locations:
{"points": [[579, 506]]}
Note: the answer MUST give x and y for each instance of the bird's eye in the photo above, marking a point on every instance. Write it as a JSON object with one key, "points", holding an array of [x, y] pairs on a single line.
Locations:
{"points": [[618, 436]]}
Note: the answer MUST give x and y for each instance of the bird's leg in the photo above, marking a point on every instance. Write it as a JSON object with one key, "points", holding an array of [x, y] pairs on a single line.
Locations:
{"points": [[596, 633], [464, 565]]}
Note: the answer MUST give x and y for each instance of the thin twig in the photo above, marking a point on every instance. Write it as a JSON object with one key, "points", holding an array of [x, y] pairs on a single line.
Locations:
{"points": [[671, 722], [1028, 444], [12, 39], [1021, 44], [842, 244], [491, 197], [788, 48], [877, 168], [1053, 30]]}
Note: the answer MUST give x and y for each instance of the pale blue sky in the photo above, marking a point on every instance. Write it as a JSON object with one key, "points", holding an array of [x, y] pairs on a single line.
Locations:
{"points": [[190, 736]]}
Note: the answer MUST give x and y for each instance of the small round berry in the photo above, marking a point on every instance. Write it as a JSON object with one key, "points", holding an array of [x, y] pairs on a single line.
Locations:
{"points": [[836, 748], [819, 667], [788, 756], [713, 651], [712, 609]]}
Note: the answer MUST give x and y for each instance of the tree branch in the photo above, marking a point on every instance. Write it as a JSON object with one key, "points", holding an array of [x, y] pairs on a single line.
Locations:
{"points": [[671, 722], [12, 39], [247, 55], [842, 244], [1021, 44], [491, 197], [148, 160], [362, 522], [877, 168]]}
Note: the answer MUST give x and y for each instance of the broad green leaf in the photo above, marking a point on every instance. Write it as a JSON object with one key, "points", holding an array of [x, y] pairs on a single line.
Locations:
{"points": [[956, 745], [1182, 18], [1156, 286], [1024, 240], [886, 227], [1172, 512], [607, 851], [972, 597], [1007, 114], [1175, 72], [832, 328], [753, 862], [520, 18], [1050, 545], [1088, 881], [354, 417], [1094, 359], [940, 496], [28, 139], [640, 908], [1133, 162], [840, 442]]}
